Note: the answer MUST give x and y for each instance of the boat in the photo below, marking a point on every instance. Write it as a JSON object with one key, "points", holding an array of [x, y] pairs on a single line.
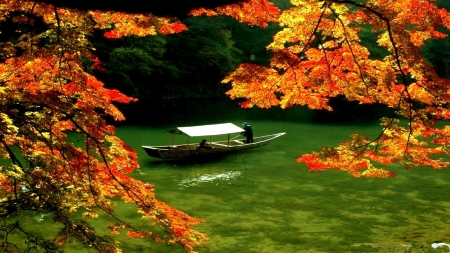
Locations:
{"points": [[212, 147]]}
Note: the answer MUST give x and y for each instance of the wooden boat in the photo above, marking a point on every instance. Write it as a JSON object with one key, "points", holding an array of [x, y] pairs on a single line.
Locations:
{"points": [[217, 147]]}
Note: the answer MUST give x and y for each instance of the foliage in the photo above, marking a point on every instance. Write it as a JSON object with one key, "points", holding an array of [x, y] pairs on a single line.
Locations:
{"points": [[152, 68], [46, 93], [252, 12], [319, 54], [202, 56], [133, 64]]}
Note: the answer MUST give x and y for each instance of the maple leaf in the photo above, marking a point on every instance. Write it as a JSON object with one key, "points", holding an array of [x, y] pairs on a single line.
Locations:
{"points": [[47, 97], [252, 12], [318, 55]]}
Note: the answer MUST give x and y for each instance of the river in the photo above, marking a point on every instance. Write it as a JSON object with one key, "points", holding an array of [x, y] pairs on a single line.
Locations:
{"points": [[263, 201]]}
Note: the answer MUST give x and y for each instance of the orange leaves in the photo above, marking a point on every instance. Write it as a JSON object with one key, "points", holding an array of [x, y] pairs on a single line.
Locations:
{"points": [[55, 116], [200, 11], [320, 53], [122, 24], [255, 82], [170, 28], [252, 12], [135, 234], [356, 167], [353, 156], [396, 144]]}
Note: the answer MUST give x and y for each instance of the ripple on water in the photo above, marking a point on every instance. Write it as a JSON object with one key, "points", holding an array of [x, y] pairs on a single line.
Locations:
{"points": [[209, 178]]}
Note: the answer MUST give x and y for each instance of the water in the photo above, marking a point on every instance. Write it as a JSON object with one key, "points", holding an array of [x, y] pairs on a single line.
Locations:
{"points": [[263, 201]]}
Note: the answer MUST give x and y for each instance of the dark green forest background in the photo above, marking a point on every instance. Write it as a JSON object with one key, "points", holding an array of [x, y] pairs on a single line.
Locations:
{"points": [[159, 70]]}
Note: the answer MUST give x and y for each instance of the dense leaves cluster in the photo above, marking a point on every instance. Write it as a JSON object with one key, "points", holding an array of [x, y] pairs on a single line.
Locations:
{"points": [[46, 93], [319, 55]]}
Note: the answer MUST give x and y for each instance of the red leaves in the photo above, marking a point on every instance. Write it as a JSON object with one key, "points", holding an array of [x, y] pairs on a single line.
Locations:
{"points": [[172, 28], [319, 54], [123, 24], [357, 167], [252, 12], [312, 162], [54, 114], [135, 234], [396, 144], [113, 34]]}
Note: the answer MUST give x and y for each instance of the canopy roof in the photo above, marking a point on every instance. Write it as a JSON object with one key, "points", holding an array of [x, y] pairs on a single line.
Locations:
{"points": [[208, 130]]}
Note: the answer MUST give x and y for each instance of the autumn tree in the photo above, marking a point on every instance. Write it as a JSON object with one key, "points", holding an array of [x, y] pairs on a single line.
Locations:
{"points": [[47, 92], [319, 55]]}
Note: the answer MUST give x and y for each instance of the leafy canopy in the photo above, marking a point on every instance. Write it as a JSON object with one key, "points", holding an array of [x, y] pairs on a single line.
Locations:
{"points": [[46, 93], [319, 55]]}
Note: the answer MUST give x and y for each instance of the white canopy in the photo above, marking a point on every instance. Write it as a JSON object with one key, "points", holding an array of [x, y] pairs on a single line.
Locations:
{"points": [[208, 130]]}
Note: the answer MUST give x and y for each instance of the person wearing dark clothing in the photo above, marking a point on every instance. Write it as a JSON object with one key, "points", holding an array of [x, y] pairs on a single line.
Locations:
{"points": [[248, 132], [203, 144]]}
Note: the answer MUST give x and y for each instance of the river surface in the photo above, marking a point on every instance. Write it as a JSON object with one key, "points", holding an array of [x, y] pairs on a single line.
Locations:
{"points": [[262, 200]]}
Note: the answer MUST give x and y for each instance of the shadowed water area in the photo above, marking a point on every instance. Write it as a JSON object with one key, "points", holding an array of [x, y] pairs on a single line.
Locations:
{"points": [[263, 201]]}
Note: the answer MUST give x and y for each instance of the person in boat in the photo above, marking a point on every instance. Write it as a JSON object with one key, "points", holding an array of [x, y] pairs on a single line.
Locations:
{"points": [[203, 144], [248, 132]]}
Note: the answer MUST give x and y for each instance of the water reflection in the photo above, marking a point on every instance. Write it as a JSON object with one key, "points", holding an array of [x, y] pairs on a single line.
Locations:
{"points": [[209, 178], [263, 201]]}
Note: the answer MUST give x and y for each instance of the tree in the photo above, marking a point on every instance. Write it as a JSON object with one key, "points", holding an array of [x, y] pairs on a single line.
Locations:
{"points": [[319, 55], [48, 93], [134, 63], [152, 67], [202, 56]]}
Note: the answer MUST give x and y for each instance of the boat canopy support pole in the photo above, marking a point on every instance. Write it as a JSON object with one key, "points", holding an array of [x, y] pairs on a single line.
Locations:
{"points": [[228, 140]]}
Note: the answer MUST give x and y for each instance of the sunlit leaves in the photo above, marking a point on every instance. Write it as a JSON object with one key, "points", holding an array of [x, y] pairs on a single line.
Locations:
{"points": [[318, 55], [252, 12], [54, 128], [261, 82], [137, 24]]}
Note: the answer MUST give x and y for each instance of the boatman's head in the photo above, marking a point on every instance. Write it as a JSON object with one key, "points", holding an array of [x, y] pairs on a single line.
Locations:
{"points": [[244, 124]]}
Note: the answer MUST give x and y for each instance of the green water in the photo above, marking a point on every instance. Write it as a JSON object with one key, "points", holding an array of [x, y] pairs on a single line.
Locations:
{"points": [[263, 201]]}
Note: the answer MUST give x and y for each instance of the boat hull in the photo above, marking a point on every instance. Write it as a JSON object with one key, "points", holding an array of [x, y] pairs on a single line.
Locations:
{"points": [[220, 147]]}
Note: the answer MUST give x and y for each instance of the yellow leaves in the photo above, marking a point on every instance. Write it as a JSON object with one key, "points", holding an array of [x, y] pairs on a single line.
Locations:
{"points": [[123, 24], [255, 82], [6, 125], [318, 55], [418, 37], [419, 93], [200, 11], [384, 40], [377, 173], [345, 159], [397, 143], [14, 171], [252, 12], [47, 95], [91, 215]]}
